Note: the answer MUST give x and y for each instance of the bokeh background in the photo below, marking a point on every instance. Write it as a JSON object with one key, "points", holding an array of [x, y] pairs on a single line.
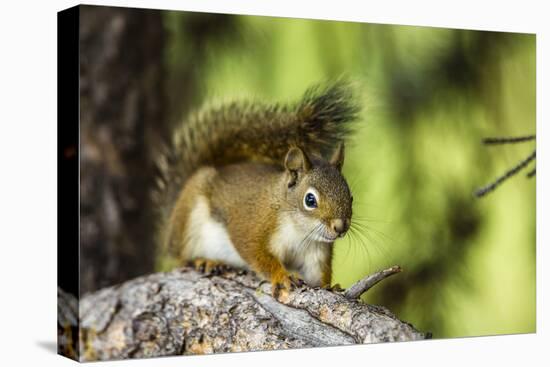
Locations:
{"points": [[429, 96]]}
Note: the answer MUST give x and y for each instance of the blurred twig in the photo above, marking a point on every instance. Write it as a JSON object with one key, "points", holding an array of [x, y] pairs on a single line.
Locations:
{"points": [[511, 172], [508, 140]]}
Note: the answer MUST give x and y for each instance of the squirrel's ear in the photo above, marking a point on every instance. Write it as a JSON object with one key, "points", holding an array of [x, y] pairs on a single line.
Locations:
{"points": [[337, 159], [296, 161]]}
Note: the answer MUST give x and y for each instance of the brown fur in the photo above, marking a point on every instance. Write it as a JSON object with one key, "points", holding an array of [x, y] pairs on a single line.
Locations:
{"points": [[247, 199], [244, 160], [253, 131]]}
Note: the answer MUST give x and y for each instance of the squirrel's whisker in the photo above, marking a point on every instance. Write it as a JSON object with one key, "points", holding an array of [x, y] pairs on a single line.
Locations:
{"points": [[368, 233], [364, 246]]}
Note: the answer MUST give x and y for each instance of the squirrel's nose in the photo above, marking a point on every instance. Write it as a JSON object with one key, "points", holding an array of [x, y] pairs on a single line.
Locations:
{"points": [[339, 226]]}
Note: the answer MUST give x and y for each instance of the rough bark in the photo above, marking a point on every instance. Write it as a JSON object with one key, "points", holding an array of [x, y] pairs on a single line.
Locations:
{"points": [[121, 116], [186, 312]]}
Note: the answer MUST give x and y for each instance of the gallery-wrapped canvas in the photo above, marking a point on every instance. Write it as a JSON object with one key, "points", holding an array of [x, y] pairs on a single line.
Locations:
{"points": [[233, 183]]}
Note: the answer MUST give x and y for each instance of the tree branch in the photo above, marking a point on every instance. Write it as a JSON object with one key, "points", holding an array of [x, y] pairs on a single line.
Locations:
{"points": [[186, 312]]}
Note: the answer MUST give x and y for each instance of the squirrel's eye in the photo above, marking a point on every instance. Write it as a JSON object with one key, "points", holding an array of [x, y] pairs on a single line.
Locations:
{"points": [[310, 201]]}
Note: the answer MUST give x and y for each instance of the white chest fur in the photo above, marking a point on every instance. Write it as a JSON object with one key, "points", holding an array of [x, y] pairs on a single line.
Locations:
{"points": [[208, 238], [299, 254]]}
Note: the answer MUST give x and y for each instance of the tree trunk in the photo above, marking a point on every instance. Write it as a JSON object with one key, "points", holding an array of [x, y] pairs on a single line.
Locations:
{"points": [[186, 312], [121, 115]]}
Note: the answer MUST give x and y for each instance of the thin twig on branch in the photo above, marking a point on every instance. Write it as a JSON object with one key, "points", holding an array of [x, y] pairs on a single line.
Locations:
{"points": [[363, 285], [508, 140], [493, 185]]}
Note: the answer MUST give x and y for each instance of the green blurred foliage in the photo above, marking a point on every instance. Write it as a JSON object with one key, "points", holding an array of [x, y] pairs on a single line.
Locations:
{"points": [[429, 96]]}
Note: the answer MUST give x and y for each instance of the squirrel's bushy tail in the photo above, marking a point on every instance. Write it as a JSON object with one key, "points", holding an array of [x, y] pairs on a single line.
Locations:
{"points": [[255, 131]]}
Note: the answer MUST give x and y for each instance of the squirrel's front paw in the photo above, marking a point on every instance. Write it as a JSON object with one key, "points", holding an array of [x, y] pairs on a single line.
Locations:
{"points": [[282, 285], [210, 267], [334, 288]]}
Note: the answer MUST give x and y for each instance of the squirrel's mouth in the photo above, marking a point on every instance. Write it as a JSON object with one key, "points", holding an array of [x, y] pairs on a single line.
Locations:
{"points": [[328, 239], [326, 236], [323, 234]]}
